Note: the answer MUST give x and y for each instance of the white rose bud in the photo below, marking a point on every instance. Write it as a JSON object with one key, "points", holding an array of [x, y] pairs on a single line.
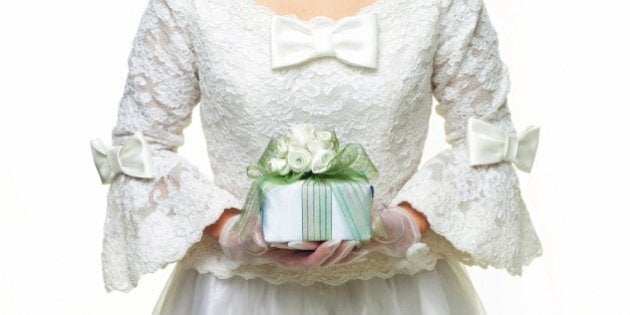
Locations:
{"points": [[277, 164], [283, 146], [301, 133], [318, 145], [299, 159], [324, 135], [321, 159], [285, 170]]}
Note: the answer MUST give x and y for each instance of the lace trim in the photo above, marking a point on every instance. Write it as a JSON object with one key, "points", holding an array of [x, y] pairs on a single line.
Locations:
{"points": [[206, 256], [152, 223]]}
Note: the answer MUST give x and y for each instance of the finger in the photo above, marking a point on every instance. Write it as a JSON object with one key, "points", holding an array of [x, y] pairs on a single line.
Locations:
{"points": [[254, 243], [393, 222], [304, 245], [259, 239], [299, 245], [342, 251], [227, 228], [370, 245], [353, 256], [323, 252], [279, 245]]}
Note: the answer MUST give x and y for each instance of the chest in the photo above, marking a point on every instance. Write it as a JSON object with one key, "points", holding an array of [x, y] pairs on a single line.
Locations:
{"points": [[232, 41]]}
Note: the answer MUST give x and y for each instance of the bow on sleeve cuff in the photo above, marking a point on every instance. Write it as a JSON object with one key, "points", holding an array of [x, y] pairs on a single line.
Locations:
{"points": [[488, 144], [133, 158]]}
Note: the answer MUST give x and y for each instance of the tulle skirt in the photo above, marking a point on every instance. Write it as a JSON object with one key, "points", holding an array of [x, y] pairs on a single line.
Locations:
{"points": [[445, 290]]}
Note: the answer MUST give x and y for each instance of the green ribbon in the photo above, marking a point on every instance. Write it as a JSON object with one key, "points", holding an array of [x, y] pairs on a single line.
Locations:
{"points": [[347, 170]]}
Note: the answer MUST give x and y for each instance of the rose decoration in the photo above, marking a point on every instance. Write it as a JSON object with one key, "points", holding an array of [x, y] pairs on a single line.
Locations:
{"points": [[301, 151]]}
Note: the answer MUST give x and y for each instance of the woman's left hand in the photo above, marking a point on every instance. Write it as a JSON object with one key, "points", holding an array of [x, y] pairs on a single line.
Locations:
{"points": [[419, 217], [402, 231]]}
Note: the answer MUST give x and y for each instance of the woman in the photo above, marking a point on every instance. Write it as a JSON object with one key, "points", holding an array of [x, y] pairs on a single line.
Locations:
{"points": [[368, 70]]}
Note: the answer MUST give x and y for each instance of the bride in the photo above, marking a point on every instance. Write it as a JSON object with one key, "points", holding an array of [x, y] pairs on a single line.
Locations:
{"points": [[370, 70]]}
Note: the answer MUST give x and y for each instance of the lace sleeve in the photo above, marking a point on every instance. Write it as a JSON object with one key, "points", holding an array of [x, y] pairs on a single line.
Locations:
{"points": [[477, 211], [151, 222]]}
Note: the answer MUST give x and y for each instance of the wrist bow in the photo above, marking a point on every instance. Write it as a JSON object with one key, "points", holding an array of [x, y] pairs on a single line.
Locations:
{"points": [[132, 158]]}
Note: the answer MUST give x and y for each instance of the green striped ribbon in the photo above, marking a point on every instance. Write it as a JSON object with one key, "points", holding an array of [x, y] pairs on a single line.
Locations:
{"points": [[344, 180], [316, 201], [355, 203]]}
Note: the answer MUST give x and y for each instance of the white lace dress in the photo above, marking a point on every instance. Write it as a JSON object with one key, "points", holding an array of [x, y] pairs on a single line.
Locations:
{"points": [[216, 54]]}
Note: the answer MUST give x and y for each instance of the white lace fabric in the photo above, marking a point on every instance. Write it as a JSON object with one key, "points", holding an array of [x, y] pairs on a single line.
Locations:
{"points": [[215, 54]]}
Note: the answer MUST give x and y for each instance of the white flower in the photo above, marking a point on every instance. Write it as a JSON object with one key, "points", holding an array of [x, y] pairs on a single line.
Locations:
{"points": [[301, 133], [322, 141], [324, 135], [303, 149], [320, 161], [279, 165], [283, 146], [299, 159], [317, 145]]}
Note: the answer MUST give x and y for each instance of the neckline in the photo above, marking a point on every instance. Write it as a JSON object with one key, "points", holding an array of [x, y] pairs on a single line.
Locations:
{"points": [[268, 11]]}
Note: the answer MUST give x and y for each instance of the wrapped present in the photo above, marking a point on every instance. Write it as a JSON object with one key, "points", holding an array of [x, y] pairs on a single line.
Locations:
{"points": [[308, 210], [307, 188]]}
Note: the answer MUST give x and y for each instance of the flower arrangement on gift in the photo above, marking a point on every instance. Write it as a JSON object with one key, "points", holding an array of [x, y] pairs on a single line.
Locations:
{"points": [[307, 188]]}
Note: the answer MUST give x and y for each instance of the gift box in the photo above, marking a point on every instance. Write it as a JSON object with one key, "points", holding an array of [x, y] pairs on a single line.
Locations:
{"points": [[308, 188], [297, 211]]}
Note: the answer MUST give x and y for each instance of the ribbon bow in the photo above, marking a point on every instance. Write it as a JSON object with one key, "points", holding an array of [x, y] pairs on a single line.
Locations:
{"points": [[133, 158], [352, 40], [490, 144]]}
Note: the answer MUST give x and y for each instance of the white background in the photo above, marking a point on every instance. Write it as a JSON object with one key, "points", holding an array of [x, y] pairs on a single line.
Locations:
{"points": [[62, 70]]}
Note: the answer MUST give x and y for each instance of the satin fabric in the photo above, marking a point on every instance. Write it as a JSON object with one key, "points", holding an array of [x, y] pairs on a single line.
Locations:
{"points": [[444, 290], [353, 40], [132, 158], [489, 144]]}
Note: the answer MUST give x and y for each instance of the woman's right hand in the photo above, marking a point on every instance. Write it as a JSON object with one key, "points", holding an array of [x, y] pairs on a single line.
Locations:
{"points": [[252, 249], [214, 230]]}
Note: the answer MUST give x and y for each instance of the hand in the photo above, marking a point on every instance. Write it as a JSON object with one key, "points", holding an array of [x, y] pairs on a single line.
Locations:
{"points": [[345, 254], [419, 217], [402, 232], [252, 249], [214, 230]]}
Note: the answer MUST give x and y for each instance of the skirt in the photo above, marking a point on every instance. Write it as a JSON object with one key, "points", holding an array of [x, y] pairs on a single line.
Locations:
{"points": [[447, 289]]}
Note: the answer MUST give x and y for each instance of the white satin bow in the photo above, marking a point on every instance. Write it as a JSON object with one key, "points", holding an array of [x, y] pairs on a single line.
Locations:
{"points": [[132, 158], [352, 39], [489, 144]]}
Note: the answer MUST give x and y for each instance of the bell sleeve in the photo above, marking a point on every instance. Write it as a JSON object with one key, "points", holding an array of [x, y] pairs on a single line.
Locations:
{"points": [[476, 213], [151, 222]]}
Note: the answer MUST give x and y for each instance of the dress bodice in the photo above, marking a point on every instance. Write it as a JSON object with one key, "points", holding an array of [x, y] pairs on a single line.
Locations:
{"points": [[244, 102], [216, 54]]}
